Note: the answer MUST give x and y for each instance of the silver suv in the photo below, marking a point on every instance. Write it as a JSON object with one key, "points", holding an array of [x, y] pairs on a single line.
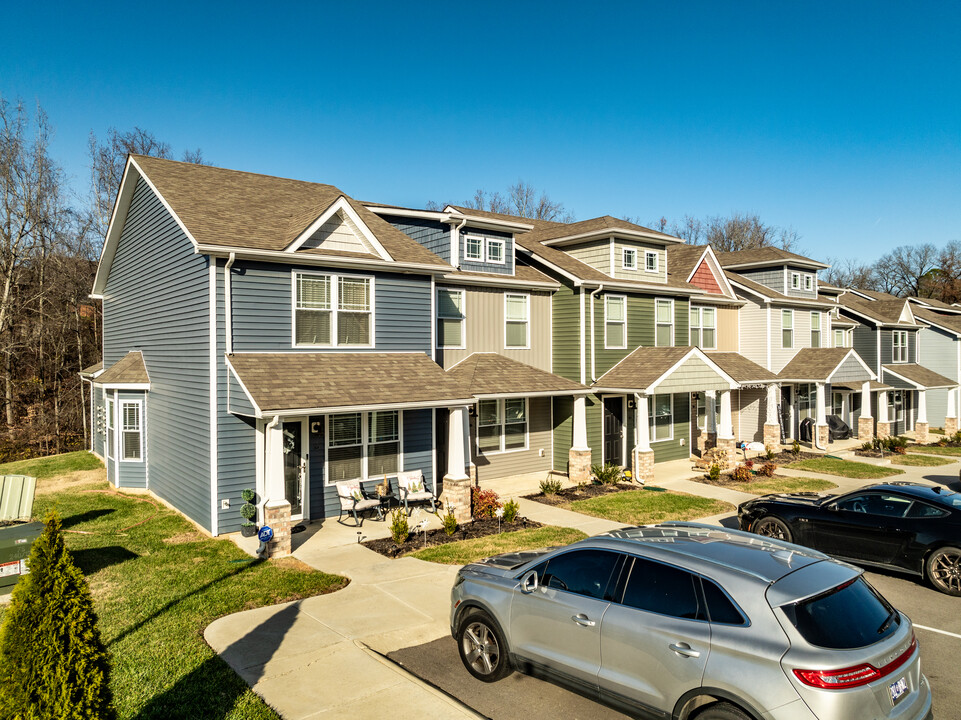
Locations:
{"points": [[682, 620]]}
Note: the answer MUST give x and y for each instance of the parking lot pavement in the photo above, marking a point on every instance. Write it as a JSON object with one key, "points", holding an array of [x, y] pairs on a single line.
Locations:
{"points": [[933, 614]]}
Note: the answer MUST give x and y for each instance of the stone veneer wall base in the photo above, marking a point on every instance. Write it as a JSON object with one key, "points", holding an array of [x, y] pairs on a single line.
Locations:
{"points": [[884, 430], [772, 437], [456, 495], [950, 426], [921, 433], [865, 428], [579, 466], [277, 517]]}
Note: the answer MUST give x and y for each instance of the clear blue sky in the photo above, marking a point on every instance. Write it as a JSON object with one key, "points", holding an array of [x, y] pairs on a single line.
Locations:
{"points": [[840, 119]]}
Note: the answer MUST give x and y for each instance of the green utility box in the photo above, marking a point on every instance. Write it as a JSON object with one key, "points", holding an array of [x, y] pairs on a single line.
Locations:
{"points": [[17, 533]]}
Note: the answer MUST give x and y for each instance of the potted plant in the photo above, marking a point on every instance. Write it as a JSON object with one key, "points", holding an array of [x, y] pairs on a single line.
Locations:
{"points": [[248, 512]]}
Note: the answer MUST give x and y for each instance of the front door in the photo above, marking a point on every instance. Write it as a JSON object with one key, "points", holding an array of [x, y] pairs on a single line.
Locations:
{"points": [[613, 430], [787, 427], [295, 467]]}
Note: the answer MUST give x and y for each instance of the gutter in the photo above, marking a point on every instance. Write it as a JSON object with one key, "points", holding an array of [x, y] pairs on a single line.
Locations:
{"points": [[593, 336], [228, 320]]}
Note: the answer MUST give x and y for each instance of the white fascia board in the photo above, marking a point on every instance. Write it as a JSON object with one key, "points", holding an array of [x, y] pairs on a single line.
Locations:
{"points": [[123, 386], [409, 212], [506, 281], [316, 259], [644, 288], [547, 263], [288, 412], [861, 362], [693, 352], [916, 385], [490, 223], [805, 263], [613, 232], [751, 291], [946, 329], [543, 393], [340, 205], [258, 412]]}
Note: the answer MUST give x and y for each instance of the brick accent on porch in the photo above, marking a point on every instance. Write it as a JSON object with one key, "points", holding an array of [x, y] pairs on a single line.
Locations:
{"points": [[884, 429], [921, 434], [865, 428], [772, 437], [579, 466], [277, 517]]}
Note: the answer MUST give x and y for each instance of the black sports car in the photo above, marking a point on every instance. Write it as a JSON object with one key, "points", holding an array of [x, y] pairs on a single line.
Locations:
{"points": [[903, 526]]}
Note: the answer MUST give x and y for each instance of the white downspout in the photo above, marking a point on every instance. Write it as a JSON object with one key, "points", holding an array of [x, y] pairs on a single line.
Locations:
{"points": [[600, 288], [455, 243], [269, 480], [228, 321]]}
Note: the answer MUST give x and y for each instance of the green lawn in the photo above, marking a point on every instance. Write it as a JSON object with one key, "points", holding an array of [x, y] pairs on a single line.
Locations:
{"points": [[467, 551], [920, 460], [845, 468], [157, 583], [52, 466], [784, 485], [652, 505], [935, 450]]}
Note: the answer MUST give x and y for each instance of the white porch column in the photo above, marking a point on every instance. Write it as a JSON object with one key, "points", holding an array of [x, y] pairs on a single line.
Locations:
{"points": [[922, 406], [274, 490], [952, 403], [821, 417], [710, 412], [642, 424], [866, 399], [883, 406], [456, 461], [580, 423], [772, 393], [726, 428]]}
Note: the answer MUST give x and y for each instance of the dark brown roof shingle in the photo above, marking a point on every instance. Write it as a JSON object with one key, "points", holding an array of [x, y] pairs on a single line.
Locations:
{"points": [[814, 364], [128, 369], [920, 375], [740, 368], [494, 374]]}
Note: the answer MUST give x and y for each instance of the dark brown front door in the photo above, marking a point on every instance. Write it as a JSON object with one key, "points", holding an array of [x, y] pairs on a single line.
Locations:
{"points": [[613, 430]]}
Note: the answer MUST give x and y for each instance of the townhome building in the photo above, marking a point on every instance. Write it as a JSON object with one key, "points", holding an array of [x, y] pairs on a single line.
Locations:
{"points": [[939, 349]]}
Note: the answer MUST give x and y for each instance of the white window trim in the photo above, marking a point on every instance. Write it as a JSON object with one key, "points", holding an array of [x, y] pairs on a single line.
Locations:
{"points": [[365, 448], [502, 414], [700, 327], [657, 261], [334, 311], [894, 346], [496, 241], [792, 328], [527, 343], [121, 431], [624, 254], [717, 411], [795, 281], [110, 429], [841, 332], [463, 320], [608, 346], [652, 403], [656, 323], [818, 329], [808, 283], [467, 257]]}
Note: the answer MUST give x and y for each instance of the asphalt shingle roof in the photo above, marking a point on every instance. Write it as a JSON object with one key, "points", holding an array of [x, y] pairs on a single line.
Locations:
{"points": [[814, 364], [762, 255], [919, 375], [740, 368], [494, 374], [128, 369]]}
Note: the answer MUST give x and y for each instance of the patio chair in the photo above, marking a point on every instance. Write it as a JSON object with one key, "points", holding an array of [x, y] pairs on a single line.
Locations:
{"points": [[413, 489], [354, 502]]}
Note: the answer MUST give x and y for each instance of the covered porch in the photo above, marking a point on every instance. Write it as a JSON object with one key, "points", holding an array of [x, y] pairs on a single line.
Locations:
{"points": [[905, 404]]}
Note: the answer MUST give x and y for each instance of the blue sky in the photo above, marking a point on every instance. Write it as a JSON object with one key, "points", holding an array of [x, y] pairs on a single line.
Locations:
{"points": [[841, 120]]}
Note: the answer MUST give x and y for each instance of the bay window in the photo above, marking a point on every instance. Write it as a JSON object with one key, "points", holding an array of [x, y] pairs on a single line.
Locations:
{"points": [[450, 318], [363, 445], [332, 310], [501, 425]]}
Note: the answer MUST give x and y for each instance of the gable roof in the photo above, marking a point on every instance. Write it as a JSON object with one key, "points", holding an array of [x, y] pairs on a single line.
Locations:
{"points": [[604, 225], [764, 291], [921, 377], [741, 369], [951, 323], [646, 367], [492, 374], [879, 312], [819, 364], [765, 256], [130, 370], [684, 260]]}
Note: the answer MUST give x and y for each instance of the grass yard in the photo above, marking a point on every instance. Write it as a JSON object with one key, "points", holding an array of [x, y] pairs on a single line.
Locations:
{"points": [[920, 460], [467, 551], [935, 450], [652, 505], [784, 485], [845, 468], [52, 466], [157, 583]]}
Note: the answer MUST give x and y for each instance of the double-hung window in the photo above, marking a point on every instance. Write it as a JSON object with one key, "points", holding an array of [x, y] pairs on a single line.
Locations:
{"points": [[899, 346], [703, 325], [787, 328], [795, 281], [629, 259], [837, 404], [701, 401], [516, 321], [895, 405], [131, 430], [650, 261], [450, 318], [615, 321], [474, 248], [333, 310], [815, 329], [838, 337], [383, 443], [495, 251], [809, 282], [501, 425], [111, 438], [661, 415], [664, 323], [362, 445]]}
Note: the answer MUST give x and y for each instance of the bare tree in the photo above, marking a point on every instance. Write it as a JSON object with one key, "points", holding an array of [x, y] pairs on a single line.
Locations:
{"points": [[520, 199], [746, 231], [849, 273], [907, 269]]}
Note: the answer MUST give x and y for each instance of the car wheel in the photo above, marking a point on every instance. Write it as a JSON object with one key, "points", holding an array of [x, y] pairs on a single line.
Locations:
{"points": [[482, 647], [772, 527], [943, 568], [722, 711]]}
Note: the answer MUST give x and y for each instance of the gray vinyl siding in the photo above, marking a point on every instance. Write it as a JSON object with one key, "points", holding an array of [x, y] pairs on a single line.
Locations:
{"points": [[317, 492], [506, 268], [866, 345], [156, 301], [99, 424], [850, 371], [498, 465], [433, 235], [133, 474], [768, 277], [887, 346], [938, 353], [262, 299], [749, 410], [419, 443], [801, 292], [238, 401]]}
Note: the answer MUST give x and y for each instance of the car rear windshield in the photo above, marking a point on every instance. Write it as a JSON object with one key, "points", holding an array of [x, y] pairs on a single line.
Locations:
{"points": [[852, 615]]}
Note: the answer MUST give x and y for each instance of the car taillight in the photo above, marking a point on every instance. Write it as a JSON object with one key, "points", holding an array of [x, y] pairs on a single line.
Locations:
{"points": [[855, 675]]}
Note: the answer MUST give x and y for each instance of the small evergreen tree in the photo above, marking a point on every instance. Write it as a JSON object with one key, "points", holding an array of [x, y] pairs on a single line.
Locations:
{"points": [[53, 663]]}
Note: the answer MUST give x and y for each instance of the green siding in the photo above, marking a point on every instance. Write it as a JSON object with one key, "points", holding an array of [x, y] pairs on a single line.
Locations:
{"points": [[563, 431], [566, 341], [640, 329], [672, 449]]}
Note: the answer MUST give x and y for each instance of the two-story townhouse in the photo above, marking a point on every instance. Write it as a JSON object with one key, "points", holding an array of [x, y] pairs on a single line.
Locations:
{"points": [[786, 328], [276, 335], [939, 349], [887, 340]]}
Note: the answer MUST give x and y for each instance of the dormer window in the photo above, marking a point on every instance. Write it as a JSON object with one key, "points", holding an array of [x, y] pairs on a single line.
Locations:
{"points": [[795, 281], [808, 282], [629, 259], [474, 248], [495, 251], [650, 261]]}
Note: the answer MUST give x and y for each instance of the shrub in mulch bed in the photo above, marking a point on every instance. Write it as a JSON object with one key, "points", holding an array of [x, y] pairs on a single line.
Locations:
{"points": [[786, 457], [467, 531], [727, 480], [582, 492]]}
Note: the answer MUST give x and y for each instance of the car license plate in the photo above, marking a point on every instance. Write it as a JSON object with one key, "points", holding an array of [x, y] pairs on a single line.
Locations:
{"points": [[10, 568], [897, 689]]}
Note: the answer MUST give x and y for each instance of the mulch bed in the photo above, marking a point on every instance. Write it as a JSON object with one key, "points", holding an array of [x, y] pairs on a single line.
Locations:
{"points": [[786, 457], [875, 453], [582, 492], [943, 443], [468, 531], [726, 480]]}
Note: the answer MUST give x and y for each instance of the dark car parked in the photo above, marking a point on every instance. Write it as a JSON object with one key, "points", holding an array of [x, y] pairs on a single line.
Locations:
{"points": [[903, 526]]}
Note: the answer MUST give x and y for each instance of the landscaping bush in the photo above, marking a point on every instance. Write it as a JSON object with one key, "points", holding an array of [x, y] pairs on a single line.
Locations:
{"points": [[483, 503], [449, 521], [742, 473], [511, 508], [796, 448], [767, 469], [550, 486], [399, 527], [607, 474], [53, 663], [715, 472]]}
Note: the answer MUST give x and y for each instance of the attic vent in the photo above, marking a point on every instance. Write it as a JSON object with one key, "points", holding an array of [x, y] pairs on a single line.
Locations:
{"points": [[339, 234]]}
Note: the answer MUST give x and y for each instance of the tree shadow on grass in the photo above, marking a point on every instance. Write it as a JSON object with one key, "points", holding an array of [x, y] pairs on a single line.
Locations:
{"points": [[91, 560], [69, 522]]}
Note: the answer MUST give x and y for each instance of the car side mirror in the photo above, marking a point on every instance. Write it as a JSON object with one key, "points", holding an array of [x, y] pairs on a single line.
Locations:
{"points": [[529, 582], [832, 507]]}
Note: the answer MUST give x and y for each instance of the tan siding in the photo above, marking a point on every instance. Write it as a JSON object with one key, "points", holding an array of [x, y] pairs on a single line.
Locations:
{"points": [[518, 462], [727, 331], [339, 233], [484, 328], [694, 374], [749, 410], [596, 253], [640, 274], [752, 331]]}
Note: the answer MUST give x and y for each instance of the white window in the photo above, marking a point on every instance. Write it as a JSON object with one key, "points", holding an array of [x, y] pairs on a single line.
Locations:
{"points": [[664, 323], [629, 259], [900, 346], [650, 261], [516, 321], [333, 310], [787, 328], [450, 318], [661, 415], [815, 329], [111, 438], [838, 337], [473, 248], [363, 446], [702, 411], [501, 425], [837, 404], [795, 281], [615, 321], [809, 282], [703, 326], [131, 433], [896, 405], [495, 251]]}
